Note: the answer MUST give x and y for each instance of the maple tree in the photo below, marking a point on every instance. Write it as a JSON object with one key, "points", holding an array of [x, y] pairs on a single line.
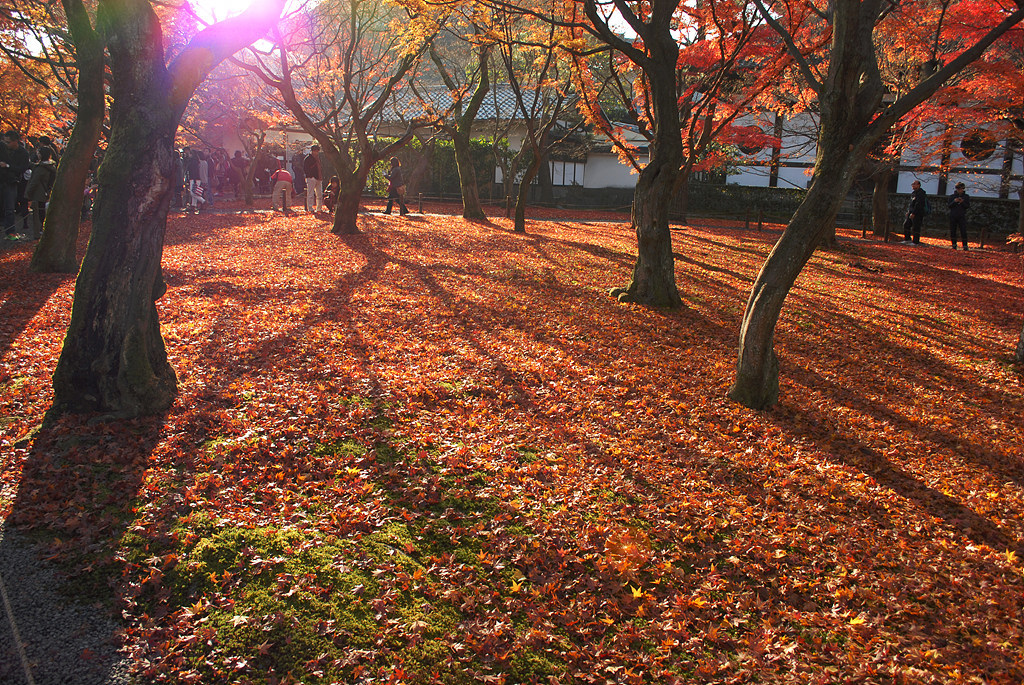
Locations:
{"points": [[539, 74], [114, 360], [335, 66], [67, 61], [233, 102], [853, 118], [460, 58]]}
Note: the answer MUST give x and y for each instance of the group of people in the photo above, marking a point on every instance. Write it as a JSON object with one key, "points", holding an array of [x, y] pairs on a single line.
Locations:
{"points": [[27, 172], [307, 175], [919, 207]]}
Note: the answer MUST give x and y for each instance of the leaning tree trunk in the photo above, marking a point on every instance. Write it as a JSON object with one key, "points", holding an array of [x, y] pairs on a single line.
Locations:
{"points": [[880, 201], [57, 248], [523, 198], [757, 372], [114, 360]]}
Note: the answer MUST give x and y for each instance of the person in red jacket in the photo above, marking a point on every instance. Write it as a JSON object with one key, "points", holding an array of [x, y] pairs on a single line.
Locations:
{"points": [[282, 181]]}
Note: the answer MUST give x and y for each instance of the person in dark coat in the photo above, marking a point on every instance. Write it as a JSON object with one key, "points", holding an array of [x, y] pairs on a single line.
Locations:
{"points": [[396, 187], [14, 162], [958, 204], [915, 215], [313, 171], [298, 175], [38, 190]]}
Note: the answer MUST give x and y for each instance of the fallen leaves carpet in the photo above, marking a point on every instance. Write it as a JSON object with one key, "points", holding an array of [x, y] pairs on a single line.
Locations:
{"points": [[439, 452]]}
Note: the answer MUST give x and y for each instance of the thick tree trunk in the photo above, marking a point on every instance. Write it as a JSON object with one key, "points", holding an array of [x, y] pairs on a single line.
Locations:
{"points": [[113, 360], [471, 207], [654, 277], [56, 251], [346, 211], [880, 201], [654, 274], [757, 372]]}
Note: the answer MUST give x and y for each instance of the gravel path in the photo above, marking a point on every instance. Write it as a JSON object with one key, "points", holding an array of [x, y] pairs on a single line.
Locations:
{"points": [[64, 642]]}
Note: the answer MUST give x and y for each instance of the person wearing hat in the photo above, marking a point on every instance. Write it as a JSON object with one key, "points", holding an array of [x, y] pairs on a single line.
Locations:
{"points": [[958, 203]]}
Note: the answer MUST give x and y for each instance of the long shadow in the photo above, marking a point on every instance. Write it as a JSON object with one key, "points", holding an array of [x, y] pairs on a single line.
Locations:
{"points": [[23, 295], [869, 461], [74, 503]]}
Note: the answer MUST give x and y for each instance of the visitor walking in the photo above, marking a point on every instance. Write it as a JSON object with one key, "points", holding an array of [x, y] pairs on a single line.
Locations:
{"points": [[958, 203], [916, 210]]}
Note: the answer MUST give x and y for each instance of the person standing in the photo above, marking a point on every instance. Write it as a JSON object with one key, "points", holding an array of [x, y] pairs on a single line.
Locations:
{"points": [[313, 172], [204, 178], [299, 178], [958, 204], [196, 191], [14, 162], [38, 191], [282, 181], [915, 215], [396, 187]]}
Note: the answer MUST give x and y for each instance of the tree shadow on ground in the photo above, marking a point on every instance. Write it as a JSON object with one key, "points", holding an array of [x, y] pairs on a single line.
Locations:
{"points": [[33, 292], [74, 503]]}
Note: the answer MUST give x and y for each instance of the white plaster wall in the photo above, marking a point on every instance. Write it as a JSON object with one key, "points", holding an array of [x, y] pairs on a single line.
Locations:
{"points": [[606, 171]]}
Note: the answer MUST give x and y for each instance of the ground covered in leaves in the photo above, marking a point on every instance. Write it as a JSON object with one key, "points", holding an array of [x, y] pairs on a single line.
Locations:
{"points": [[439, 452]]}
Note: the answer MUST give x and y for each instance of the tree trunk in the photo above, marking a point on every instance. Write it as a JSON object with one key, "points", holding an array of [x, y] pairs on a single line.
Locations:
{"points": [[544, 180], [113, 360], [347, 209], [57, 248], [880, 201], [523, 198], [757, 372], [654, 274], [471, 207], [249, 179]]}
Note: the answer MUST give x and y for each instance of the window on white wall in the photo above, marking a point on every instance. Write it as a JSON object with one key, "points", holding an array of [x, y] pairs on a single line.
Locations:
{"points": [[978, 145]]}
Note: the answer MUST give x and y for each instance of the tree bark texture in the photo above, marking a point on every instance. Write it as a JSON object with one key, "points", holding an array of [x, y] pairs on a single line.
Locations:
{"points": [[654, 275], [844, 141], [114, 360], [347, 211], [523, 197], [471, 207], [56, 250]]}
